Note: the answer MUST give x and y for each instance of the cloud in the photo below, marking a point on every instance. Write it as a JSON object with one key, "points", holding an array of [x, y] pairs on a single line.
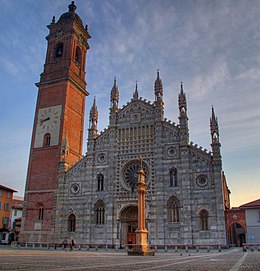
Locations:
{"points": [[213, 77]]}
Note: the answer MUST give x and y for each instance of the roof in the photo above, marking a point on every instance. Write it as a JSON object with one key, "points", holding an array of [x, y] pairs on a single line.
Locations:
{"points": [[252, 204], [17, 204], [7, 188]]}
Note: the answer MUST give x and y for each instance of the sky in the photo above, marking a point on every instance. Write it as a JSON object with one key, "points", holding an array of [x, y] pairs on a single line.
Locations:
{"points": [[212, 46]]}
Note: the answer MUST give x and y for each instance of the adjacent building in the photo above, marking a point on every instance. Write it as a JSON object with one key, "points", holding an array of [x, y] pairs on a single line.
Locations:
{"points": [[252, 215], [93, 198], [16, 218], [6, 201]]}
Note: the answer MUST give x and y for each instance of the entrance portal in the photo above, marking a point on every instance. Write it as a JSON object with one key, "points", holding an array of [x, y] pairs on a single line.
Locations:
{"points": [[129, 224], [236, 235]]}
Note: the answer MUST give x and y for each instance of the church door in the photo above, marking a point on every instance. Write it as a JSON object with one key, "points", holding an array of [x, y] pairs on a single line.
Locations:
{"points": [[129, 224], [131, 228]]}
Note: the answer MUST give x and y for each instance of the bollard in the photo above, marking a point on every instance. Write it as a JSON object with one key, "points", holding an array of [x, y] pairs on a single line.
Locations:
{"points": [[219, 248], [96, 247], [186, 249], [244, 248], [208, 249], [106, 247], [176, 248], [197, 248], [165, 248]]}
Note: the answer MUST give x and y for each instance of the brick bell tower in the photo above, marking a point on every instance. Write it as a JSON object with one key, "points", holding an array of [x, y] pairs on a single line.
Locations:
{"points": [[57, 135]]}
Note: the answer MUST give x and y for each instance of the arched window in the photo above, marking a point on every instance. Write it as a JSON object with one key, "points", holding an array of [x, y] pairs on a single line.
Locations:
{"points": [[173, 177], [71, 223], [173, 207], [78, 55], [40, 213], [100, 182], [59, 50], [47, 140], [204, 217], [100, 212]]}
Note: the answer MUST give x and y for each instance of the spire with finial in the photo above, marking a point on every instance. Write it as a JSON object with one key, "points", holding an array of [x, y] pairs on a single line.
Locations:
{"points": [[214, 132], [183, 116], [158, 87], [114, 97], [136, 95], [72, 7], [214, 126], [182, 101], [93, 116]]}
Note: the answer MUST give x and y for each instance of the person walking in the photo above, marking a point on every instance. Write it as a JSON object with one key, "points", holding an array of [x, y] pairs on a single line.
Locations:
{"points": [[72, 243], [65, 243]]}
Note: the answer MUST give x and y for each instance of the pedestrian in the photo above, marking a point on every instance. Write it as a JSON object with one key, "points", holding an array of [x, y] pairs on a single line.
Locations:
{"points": [[130, 244], [65, 243], [72, 243]]}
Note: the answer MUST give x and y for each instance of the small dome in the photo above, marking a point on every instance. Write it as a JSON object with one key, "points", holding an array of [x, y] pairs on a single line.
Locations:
{"points": [[71, 14]]}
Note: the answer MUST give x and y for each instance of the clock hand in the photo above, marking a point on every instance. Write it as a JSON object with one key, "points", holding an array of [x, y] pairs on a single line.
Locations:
{"points": [[48, 118]]}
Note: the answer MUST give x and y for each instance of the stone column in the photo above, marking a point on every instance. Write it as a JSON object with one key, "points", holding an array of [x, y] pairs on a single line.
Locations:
{"points": [[141, 248]]}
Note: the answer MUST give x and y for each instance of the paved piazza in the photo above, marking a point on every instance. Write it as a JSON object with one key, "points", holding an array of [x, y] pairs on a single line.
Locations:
{"points": [[36, 259]]}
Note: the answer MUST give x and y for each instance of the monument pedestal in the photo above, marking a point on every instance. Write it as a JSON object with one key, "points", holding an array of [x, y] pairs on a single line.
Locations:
{"points": [[141, 248]]}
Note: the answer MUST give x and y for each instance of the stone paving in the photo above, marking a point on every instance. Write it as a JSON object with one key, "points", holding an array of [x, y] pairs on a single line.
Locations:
{"points": [[44, 259]]}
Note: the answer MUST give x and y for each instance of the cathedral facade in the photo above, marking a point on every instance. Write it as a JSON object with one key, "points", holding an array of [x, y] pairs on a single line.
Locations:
{"points": [[93, 198]]}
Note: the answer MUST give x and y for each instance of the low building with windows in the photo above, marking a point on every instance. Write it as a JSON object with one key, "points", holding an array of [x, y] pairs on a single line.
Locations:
{"points": [[6, 201], [252, 215]]}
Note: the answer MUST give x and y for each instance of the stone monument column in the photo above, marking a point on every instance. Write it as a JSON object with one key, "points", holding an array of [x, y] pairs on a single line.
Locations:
{"points": [[141, 248]]}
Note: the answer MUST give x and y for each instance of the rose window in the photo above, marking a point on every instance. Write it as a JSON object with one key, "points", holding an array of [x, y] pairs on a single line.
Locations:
{"points": [[130, 173]]}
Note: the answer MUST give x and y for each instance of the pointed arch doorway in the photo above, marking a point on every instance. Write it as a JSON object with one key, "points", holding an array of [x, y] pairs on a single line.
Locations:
{"points": [[129, 224]]}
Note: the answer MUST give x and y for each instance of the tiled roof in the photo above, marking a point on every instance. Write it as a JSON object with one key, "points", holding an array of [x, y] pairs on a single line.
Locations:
{"points": [[7, 188], [255, 203]]}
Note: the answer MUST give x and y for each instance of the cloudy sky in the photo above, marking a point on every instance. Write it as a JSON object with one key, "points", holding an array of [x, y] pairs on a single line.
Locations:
{"points": [[210, 45]]}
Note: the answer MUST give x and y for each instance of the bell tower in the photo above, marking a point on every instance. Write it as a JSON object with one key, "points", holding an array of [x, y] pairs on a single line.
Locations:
{"points": [[59, 118]]}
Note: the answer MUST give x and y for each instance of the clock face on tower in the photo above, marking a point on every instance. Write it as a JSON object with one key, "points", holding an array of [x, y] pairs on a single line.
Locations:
{"points": [[48, 123]]}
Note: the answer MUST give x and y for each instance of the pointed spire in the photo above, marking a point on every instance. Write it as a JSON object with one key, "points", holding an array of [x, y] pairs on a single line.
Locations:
{"points": [[114, 97], [158, 87], [214, 132], [182, 101], [93, 115], [136, 95], [182, 93], [214, 126]]}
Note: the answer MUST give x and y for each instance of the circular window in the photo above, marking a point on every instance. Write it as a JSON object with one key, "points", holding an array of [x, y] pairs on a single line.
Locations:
{"points": [[74, 188], [130, 173], [171, 151], [202, 180], [101, 158]]}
